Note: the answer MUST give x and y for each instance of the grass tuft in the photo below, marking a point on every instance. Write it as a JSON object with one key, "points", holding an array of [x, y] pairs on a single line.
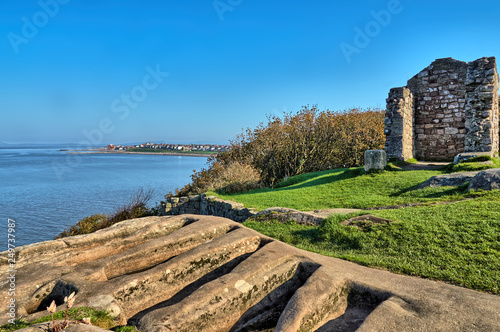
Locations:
{"points": [[100, 318]]}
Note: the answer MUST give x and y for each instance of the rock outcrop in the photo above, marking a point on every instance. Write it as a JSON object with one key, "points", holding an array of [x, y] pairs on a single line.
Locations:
{"points": [[205, 273], [486, 180], [448, 180]]}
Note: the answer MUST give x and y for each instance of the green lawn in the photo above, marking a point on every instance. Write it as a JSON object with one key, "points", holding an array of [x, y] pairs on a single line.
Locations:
{"points": [[348, 188], [457, 243]]}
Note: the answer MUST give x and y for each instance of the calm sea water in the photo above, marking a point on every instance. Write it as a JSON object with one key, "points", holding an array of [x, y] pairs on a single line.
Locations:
{"points": [[46, 190]]}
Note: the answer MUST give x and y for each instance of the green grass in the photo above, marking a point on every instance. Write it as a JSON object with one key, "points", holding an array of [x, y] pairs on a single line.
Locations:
{"points": [[475, 164], [458, 243], [99, 318], [349, 188]]}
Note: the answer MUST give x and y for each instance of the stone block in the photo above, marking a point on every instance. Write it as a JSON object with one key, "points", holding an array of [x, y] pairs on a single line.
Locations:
{"points": [[469, 155], [486, 180], [375, 160]]}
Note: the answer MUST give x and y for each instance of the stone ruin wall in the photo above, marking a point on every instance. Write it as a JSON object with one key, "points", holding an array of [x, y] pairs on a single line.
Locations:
{"points": [[481, 116], [448, 108], [439, 127], [399, 118]]}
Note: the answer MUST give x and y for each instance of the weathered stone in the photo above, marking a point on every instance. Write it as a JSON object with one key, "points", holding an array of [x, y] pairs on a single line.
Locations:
{"points": [[486, 180], [448, 180], [203, 205], [375, 160], [285, 214], [459, 93], [213, 274], [469, 155]]}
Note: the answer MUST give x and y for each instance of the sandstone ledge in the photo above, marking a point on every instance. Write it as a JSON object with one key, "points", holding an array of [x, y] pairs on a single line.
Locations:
{"points": [[205, 273]]}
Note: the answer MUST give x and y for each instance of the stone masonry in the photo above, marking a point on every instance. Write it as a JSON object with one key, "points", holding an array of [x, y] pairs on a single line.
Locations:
{"points": [[448, 108]]}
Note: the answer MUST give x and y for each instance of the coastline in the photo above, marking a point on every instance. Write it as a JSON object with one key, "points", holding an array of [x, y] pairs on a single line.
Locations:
{"points": [[187, 154]]}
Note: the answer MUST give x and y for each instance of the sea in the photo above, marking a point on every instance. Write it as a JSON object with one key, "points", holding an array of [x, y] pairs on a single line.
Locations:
{"points": [[44, 191]]}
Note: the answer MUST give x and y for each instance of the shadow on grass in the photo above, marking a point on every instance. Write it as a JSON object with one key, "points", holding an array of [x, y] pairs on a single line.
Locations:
{"points": [[291, 184], [312, 235]]}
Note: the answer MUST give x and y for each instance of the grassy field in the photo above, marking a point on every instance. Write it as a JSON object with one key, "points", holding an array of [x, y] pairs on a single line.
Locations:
{"points": [[349, 188], [457, 243]]}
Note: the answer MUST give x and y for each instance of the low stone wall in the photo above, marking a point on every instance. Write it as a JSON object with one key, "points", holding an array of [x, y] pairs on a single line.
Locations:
{"points": [[206, 205]]}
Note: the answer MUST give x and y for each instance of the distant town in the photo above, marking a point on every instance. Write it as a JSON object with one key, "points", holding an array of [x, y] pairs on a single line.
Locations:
{"points": [[214, 148]]}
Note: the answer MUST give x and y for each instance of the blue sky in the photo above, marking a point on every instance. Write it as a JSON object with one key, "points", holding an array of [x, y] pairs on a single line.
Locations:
{"points": [[202, 70]]}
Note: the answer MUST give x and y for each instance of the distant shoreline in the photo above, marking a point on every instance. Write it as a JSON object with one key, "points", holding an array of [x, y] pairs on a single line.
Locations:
{"points": [[187, 154]]}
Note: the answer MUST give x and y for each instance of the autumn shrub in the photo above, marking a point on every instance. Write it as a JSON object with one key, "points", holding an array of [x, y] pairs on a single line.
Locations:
{"points": [[304, 142], [137, 207], [237, 177]]}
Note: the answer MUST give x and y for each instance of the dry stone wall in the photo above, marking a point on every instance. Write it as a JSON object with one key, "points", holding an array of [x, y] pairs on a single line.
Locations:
{"points": [[448, 108], [206, 205]]}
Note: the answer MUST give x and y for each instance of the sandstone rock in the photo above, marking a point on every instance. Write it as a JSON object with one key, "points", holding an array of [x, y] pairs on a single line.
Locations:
{"points": [[205, 273], [375, 160], [486, 180]]}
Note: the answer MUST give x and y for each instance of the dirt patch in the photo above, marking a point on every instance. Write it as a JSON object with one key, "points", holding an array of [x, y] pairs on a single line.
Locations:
{"points": [[425, 165]]}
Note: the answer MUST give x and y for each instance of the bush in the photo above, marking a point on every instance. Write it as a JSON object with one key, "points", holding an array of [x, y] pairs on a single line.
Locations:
{"points": [[136, 208], [305, 142], [237, 177]]}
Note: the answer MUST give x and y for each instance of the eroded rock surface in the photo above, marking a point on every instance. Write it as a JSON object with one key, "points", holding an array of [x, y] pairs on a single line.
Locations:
{"points": [[205, 273], [486, 180], [451, 180]]}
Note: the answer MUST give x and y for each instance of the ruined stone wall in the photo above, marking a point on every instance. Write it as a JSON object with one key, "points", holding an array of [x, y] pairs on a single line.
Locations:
{"points": [[399, 124], [455, 109], [206, 205], [439, 103], [482, 106]]}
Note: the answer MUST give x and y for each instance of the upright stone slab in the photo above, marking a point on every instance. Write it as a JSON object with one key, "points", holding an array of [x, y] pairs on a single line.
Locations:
{"points": [[481, 116], [399, 124], [375, 160]]}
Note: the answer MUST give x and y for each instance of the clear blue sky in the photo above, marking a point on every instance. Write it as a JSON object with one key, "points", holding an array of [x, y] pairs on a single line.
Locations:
{"points": [[67, 66]]}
